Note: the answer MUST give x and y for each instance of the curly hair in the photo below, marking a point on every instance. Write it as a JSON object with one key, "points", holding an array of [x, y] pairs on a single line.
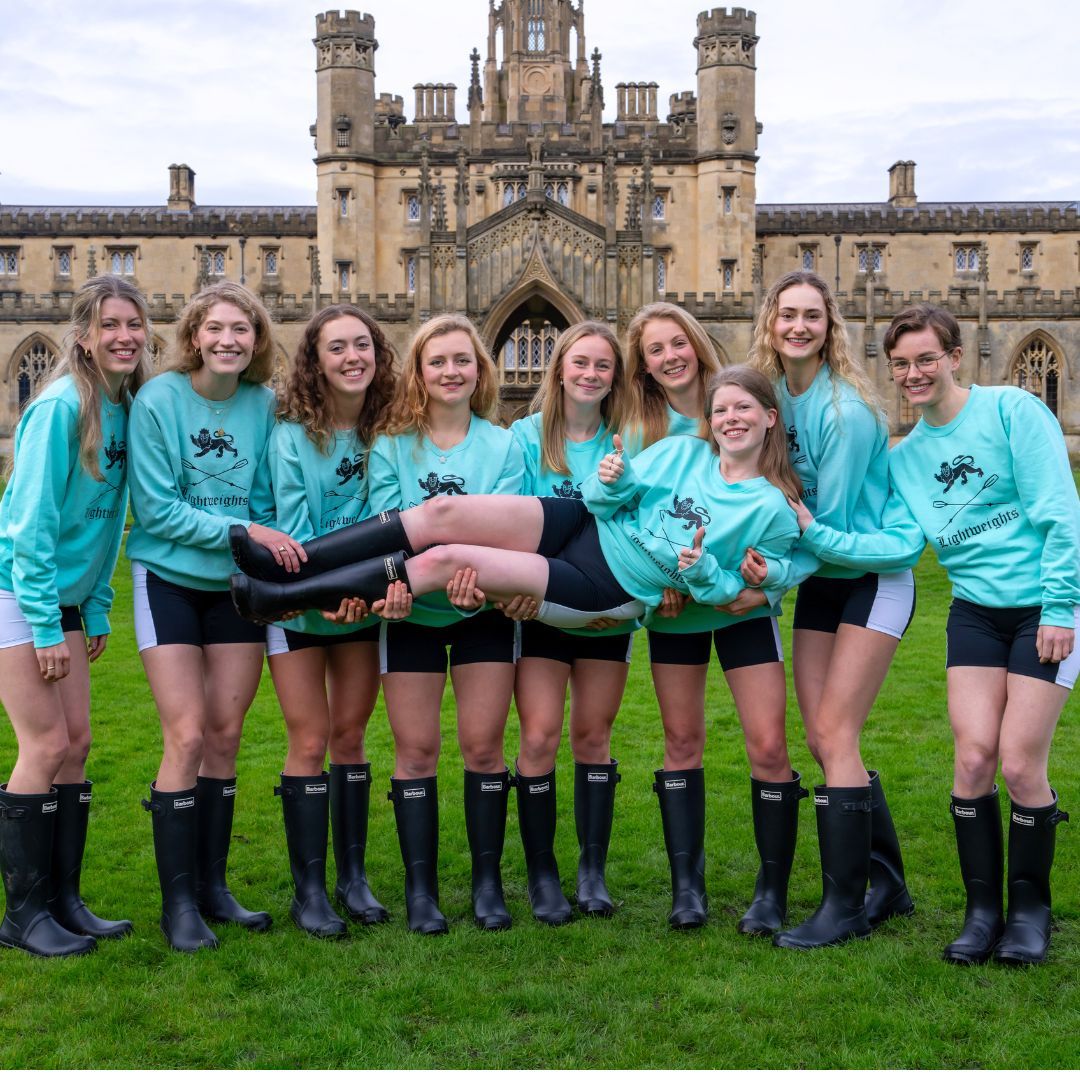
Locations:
{"points": [[836, 352], [646, 412], [185, 356], [774, 462], [84, 370], [305, 400], [409, 408], [549, 401]]}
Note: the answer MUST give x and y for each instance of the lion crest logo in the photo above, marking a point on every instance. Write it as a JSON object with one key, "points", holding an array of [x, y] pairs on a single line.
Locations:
{"points": [[566, 490], [962, 466], [115, 452], [434, 485], [694, 517], [348, 468], [206, 443]]}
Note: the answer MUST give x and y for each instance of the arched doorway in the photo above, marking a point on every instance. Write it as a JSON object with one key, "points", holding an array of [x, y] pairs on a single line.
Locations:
{"points": [[526, 340], [1037, 369]]}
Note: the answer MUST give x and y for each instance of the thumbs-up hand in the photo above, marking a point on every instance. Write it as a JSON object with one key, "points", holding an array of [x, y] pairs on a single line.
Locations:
{"points": [[689, 556], [611, 465]]}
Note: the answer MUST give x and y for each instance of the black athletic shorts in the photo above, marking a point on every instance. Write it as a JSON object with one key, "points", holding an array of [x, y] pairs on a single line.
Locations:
{"points": [[883, 602], [168, 614], [536, 639], [280, 639], [485, 638], [978, 636], [742, 644]]}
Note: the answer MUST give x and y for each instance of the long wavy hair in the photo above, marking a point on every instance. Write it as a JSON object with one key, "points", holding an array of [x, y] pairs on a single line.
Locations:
{"points": [[646, 414], [550, 403], [185, 356], [775, 464], [409, 408], [84, 371], [305, 400], [836, 352]]}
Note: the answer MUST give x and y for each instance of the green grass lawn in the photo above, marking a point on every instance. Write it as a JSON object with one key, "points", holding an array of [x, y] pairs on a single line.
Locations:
{"points": [[621, 993]]}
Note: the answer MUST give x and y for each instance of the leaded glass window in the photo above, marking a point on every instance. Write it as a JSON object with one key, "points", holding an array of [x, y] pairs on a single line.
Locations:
{"points": [[966, 258], [270, 263], [34, 365], [659, 207], [1027, 257], [410, 273], [63, 262], [1038, 371], [661, 274], [563, 193], [9, 262], [412, 207], [122, 263]]}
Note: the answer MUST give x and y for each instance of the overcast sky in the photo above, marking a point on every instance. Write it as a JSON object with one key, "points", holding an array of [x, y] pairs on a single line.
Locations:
{"points": [[97, 99]]}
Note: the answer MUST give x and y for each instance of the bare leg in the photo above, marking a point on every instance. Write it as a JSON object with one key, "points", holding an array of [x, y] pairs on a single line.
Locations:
{"points": [[483, 693], [175, 674], [596, 692], [1031, 715], [977, 697], [352, 691], [75, 699], [232, 680], [36, 712], [680, 692], [512, 522], [300, 681], [760, 695], [501, 575], [540, 691], [413, 701]]}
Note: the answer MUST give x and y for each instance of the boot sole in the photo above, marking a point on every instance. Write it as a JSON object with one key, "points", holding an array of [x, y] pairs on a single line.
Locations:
{"points": [[798, 946], [894, 913], [4, 943], [1018, 959], [965, 959]]}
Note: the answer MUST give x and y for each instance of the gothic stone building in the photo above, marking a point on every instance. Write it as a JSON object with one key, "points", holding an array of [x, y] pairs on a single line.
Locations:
{"points": [[523, 208]]}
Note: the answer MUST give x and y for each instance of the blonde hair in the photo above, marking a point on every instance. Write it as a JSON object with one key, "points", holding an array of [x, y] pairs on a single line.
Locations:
{"points": [[549, 401], [185, 356], [85, 373], [408, 410], [646, 414], [305, 400], [775, 464], [836, 352]]}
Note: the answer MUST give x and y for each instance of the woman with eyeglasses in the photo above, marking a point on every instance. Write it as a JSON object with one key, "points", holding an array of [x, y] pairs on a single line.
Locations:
{"points": [[847, 623], [984, 478]]}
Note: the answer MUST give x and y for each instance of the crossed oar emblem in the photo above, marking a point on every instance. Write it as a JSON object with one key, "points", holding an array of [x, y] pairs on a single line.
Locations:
{"points": [[192, 467], [989, 482]]}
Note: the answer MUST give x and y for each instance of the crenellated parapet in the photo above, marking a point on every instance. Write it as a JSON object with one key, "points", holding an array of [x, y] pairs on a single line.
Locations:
{"points": [[94, 221], [794, 219], [726, 38], [345, 39]]}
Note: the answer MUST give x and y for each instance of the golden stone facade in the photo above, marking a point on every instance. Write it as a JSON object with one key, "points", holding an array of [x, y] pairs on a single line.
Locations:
{"points": [[535, 213]]}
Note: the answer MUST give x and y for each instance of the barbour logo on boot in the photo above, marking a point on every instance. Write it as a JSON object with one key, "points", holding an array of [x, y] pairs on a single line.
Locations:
{"points": [[414, 793], [598, 778], [315, 789], [821, 800], [228, 790], [391, 570], [85, 796], [674, 785], [1023, 819], [384, 516], [184, 804], [964, 811], [772, 796], [491, 785], [356, 777], [539, 789], [48, 807]]}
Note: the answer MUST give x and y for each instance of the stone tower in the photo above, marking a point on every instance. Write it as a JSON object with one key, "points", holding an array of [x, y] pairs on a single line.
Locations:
{"points": [[344, 147], [727, 132], [538, 80]]}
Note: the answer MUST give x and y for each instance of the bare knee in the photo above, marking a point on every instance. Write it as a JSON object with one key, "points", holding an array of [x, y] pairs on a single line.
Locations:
{"points": [[307, 753], [1024, 776], [768, 755], [439, 516], [975, 765], [347, 746], [184, 747], [684, 746], [484, 755], [48, 753]]}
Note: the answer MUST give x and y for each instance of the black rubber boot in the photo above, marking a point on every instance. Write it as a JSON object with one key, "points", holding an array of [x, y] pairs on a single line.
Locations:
{"points": [[69, 842], [843, 820], [216, 801], [27, 823], [682, 811], [365, 539], [536, 821], [1031, 855], [982, 866], [350, 795], [888, 896], [265, 601], [416, 811], [485, 823], [176, 830], [775, 807], [305, 805], [594, 808]]}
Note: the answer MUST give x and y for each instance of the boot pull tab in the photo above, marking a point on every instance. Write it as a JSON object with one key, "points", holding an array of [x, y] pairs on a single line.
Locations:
{"points": [[1055, 817], [13, 813], [148, 806], [802, 793]]}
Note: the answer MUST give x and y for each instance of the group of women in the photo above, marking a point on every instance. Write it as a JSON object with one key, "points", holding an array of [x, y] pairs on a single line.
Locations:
{"points": [[386, 529]]}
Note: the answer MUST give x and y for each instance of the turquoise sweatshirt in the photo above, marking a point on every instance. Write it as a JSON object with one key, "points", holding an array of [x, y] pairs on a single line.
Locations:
{"points": [[582, 459], [197, 467], [60, 529], [653, 510], [406, 470], [316, 493], [993, 494]]}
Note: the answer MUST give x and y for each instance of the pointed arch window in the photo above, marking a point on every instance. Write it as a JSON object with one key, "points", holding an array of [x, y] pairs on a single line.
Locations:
{"points": [[528, 352], [1038, 370], [34, 367], [535, 37], [661, 273]]}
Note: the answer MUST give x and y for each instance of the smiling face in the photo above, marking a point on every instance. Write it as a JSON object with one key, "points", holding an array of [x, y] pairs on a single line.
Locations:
{"points": [[669, 356], [926, 389], [225, 340], [117, 341], [449, 368], [588, 370], [346, 354], [801, 324], [739, 422]]}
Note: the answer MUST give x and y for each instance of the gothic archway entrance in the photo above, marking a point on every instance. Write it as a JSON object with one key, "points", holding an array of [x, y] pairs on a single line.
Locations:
{"points": [[525, 342]]}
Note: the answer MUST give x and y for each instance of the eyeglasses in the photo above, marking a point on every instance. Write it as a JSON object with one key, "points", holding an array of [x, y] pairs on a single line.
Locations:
{"points": [[926, 364]]}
